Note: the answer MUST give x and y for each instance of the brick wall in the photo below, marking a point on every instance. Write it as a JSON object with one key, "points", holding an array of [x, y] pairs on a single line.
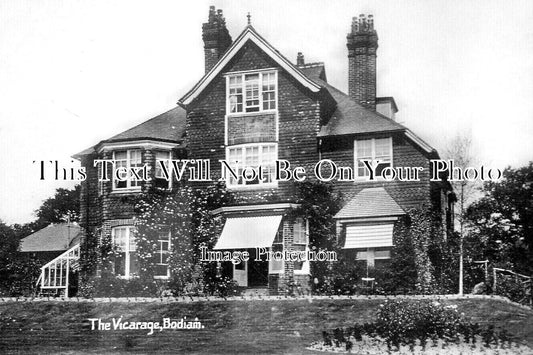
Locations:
{"points": [[298, 119], [405, 154]]}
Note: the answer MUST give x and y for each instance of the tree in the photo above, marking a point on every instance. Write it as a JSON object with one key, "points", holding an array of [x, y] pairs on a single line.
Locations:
{"points": [[501, 223], [63, 206], [9, 244], [460, 150]]}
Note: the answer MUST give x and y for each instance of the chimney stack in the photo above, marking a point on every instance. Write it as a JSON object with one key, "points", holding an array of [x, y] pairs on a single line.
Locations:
{"points": [[300, 59], [362, 43], [216, 38]]}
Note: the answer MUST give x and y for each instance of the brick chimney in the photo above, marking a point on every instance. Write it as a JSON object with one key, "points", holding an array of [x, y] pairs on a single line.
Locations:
{"points": [[362, 43], [216, 38]]}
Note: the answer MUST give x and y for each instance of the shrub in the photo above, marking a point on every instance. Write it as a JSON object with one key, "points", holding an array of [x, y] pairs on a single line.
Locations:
{"points": [[402, 322]]}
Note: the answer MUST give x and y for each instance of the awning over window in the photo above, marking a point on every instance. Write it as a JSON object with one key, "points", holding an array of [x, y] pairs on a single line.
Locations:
{"points": [[368, 235], [248, 232]]}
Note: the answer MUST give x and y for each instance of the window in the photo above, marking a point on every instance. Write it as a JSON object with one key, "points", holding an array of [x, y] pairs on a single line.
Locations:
{"points": [[160, 181], [126, 263], [161, 254], [252, 92], [301, 243], [373, 256], [372, 149], [250, 157], [127, 159], [276, 266]]}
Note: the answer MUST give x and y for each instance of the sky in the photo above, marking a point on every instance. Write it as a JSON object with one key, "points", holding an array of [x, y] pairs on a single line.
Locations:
{"points": [[75, 72]]}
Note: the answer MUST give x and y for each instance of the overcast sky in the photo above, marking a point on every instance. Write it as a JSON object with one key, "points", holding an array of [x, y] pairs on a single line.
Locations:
{"points": [[75, 72]]}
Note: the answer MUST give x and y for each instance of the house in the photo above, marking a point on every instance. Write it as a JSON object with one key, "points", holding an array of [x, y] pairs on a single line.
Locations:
{"points": [[56, 249], [255, 106]]}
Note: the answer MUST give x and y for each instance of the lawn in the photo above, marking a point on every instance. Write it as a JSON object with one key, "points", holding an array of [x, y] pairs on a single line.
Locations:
{"points": [[248, 327]]}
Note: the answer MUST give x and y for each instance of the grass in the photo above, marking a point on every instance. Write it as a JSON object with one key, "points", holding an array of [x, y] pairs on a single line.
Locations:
{"points": [[248, 327]]}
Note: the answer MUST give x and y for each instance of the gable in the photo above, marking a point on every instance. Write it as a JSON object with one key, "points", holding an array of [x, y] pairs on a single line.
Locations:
{"points": [[248, 35]]}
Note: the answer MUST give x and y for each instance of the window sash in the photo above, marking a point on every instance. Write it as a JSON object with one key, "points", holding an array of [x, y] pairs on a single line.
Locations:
{"points": [[369, 255], [276, 266], [131, 158], [162, 254], [160, 181], [253, 92], [252, 155], [300, 231], [124, 239], [372, 149]]}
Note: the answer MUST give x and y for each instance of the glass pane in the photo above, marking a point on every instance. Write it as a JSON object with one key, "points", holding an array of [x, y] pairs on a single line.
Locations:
{"points": [[135, 157], [382, 147], [134, 264], [121, 155], [298, 265], [382, 254], [276, 265], [119, 238], [132, 242], [299, 231], [119, 264]]}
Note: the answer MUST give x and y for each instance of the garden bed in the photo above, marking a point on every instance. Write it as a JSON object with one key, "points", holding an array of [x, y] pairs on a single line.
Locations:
{"points": [[231, 327]]}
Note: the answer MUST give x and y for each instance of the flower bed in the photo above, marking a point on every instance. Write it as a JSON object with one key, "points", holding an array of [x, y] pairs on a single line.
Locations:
{"points": [[419, 327]]}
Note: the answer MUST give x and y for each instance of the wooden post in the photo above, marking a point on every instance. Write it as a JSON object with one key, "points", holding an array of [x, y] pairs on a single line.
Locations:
{"points": [[494, 281]]}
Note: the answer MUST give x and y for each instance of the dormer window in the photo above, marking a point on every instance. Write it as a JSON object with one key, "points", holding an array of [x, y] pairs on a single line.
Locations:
{"points": [[253, 92]]}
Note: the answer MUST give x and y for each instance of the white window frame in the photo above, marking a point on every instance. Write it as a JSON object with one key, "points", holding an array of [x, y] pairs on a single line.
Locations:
{"points": [[130, 230], [169, 167], [262, 73], [306, 269], [373, 157], [160, 253], [232, 185], [128, 180]]}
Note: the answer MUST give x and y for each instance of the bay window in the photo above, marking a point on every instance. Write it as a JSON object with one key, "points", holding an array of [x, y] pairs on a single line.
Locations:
{"points": [[253, 92], [127, 159], [372, 150], [126, 263]]}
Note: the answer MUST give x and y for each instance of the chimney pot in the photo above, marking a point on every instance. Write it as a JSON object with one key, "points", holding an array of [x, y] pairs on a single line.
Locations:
{"points": [[300, 59]]}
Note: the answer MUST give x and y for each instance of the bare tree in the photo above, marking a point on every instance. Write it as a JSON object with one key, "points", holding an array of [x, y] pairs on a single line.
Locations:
{"points": [[460, 150]]}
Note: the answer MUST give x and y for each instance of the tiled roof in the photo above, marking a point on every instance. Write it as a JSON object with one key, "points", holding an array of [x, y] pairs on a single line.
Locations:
{"points": [[55, 237], [370, 202], [350, 117], [314, 71], [168, 126]]}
